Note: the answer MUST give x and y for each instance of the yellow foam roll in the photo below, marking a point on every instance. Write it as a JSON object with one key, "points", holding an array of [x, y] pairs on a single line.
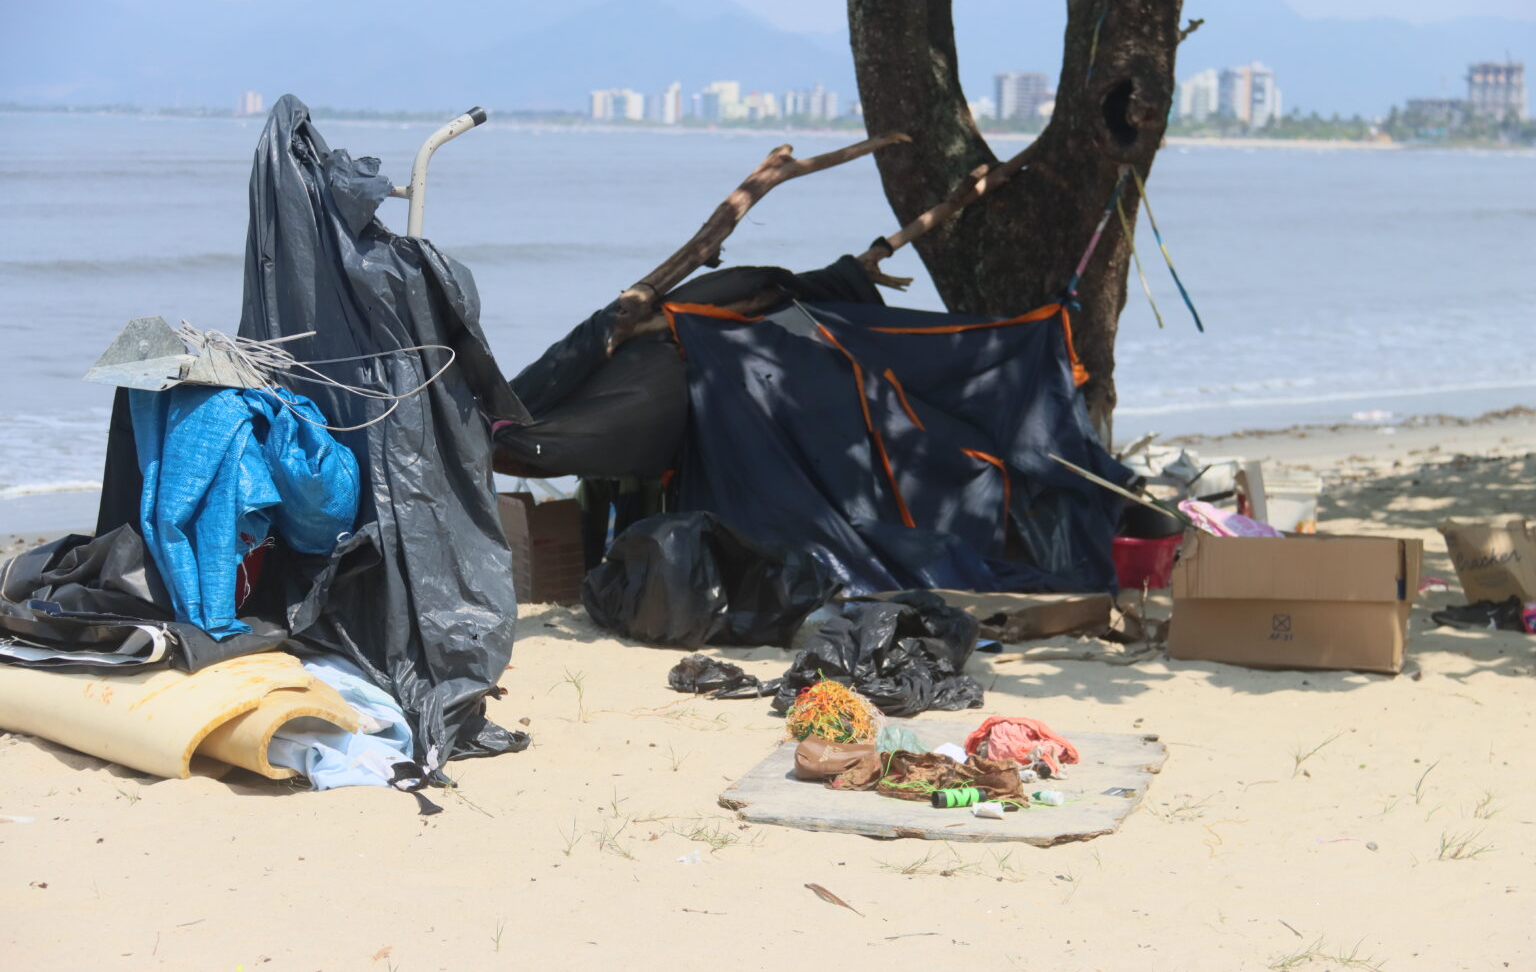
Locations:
{"points": [[154, 721]]}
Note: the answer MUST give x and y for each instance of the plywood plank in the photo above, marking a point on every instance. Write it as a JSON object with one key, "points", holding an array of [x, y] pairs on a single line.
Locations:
{"points": [[770, 794]]}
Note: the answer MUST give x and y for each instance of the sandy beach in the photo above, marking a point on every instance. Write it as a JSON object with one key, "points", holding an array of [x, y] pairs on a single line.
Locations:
{"points": [[1303, 820]]}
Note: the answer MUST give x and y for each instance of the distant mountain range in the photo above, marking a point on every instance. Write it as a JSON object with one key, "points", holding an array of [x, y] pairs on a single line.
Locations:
{"points": [[448, 54]]}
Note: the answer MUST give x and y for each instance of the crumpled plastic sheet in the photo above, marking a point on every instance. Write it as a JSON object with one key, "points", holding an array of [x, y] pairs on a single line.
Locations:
{"points": [[906, 655], [702, 675]]}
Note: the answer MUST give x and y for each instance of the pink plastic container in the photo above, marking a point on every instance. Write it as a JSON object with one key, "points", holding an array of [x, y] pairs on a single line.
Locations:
{"points": [[1148, 562]]}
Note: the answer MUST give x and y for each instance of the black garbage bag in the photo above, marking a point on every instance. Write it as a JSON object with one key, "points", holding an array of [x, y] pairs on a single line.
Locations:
{"points": [[422, 596], [905, 655], [688, 579], [702, 675]]}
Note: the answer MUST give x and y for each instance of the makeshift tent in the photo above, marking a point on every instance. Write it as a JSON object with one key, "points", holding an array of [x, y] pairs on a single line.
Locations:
{"points": [[908, 449], [596, 415], [418, 590]]}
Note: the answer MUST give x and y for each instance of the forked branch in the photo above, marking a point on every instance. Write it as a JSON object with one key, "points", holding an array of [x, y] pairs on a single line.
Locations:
{"points": [[981, 179], [639, 301]]}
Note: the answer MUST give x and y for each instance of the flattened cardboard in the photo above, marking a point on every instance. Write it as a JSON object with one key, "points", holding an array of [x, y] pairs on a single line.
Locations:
{"points": [[1295, 602], [1494, 559]]}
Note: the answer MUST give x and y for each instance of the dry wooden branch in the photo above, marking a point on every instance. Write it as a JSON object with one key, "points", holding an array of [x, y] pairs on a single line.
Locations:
{"points": [[970, 189], [1194, 25], [639, 301]]}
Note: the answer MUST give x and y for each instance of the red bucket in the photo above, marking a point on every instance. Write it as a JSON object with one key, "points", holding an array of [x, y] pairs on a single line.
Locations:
{"points": [[1148, 562]]}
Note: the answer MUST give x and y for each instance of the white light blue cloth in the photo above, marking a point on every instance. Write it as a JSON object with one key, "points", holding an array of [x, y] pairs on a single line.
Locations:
{"points": [[336, 758]]}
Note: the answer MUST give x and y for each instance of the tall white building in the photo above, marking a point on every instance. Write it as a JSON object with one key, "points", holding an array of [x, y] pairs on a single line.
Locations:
{"points": [[1264, 97], [818, 103], [618, 103], [666, 108], [761, 106], [249, 104], [823, 103], [1021, 93], [1197, 97], [1248, 94], [721, 101], [1496, 90]]}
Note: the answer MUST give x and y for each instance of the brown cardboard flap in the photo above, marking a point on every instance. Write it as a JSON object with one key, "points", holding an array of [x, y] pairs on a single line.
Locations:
{"points": [[1314, 568]]}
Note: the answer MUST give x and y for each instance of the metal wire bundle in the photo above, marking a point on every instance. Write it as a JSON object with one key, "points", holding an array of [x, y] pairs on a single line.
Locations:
{"points": [[264, 359]]}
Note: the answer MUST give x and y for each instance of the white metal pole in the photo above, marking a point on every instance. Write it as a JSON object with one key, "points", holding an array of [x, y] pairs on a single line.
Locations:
{"points": [[416, 192]]}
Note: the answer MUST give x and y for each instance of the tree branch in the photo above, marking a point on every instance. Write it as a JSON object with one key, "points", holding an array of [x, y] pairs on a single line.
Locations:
{"points": [[639, 301], [1194, 25], [971, 188]]}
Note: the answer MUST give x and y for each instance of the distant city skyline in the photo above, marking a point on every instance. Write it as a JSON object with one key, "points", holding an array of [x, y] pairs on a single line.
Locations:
{"points": [[547, 58], [718, 101]]}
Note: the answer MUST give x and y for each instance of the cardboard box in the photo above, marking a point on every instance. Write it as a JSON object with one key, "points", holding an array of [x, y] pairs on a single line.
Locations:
{"points": [[1295, 602], [547, 561], [1494, 559]]}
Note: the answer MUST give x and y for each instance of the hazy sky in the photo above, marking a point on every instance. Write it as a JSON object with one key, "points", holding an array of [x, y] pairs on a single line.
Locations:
{"points": [[824, 15]]}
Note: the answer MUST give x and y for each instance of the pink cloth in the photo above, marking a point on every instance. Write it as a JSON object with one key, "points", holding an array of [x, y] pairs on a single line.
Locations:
{"points": [[1225, 523], [1016, 738]]}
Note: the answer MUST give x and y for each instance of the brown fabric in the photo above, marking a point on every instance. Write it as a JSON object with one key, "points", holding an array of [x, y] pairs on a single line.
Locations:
{"points": [[820, 759], [892, 775]]}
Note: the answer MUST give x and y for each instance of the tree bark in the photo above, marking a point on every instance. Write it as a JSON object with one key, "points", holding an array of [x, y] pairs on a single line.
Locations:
{"points": [[1016, 248]]}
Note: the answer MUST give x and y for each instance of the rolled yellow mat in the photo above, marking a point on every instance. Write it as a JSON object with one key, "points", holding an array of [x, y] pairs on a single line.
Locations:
{"points": [[154, 721], [245, 739]]}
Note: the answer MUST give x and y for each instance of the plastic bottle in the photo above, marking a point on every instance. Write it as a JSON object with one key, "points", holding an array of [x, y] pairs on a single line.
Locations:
{"points": [[1048, 798]]}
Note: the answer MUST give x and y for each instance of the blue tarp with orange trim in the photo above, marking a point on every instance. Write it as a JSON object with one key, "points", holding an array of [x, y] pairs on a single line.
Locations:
{"points": [[909, 448]]}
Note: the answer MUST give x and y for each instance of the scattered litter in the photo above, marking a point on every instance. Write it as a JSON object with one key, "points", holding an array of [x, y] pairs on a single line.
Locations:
{"points": [[990, 810], [833, 712], [1027, 741], [952, 751], [1434, 585], [906, 654], [1120, 791], [702, 675], [693, 857], [960, 796], [8, 818], [1048, 798], [831, 898], [899, 738]]}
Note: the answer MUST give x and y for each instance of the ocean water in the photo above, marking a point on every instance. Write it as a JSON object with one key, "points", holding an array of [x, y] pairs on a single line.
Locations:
{"points": [[1332, 283]]}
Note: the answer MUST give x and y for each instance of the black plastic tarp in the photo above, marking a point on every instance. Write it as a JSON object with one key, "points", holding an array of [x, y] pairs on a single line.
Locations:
{"points": [[909, 448], [906, 655], [598, 416], [422, 596]]}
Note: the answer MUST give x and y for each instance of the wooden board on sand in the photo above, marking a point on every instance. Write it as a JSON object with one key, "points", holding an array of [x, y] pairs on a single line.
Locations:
{"points": [[770, 794]]}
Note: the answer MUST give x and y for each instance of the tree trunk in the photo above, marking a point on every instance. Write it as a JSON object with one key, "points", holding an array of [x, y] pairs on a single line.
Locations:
{"points": [[1017, 247]]}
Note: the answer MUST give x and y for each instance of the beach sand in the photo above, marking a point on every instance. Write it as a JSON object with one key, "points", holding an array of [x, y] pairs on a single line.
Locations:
{"points": [[1303, 820]]}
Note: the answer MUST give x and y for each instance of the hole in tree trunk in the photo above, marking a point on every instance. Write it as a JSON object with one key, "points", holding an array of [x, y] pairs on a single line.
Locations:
{"points": [[1117, 104]]}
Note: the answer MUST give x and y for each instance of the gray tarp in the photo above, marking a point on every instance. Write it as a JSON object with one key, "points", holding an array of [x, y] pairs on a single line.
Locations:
{"points": [[422, 597]]}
